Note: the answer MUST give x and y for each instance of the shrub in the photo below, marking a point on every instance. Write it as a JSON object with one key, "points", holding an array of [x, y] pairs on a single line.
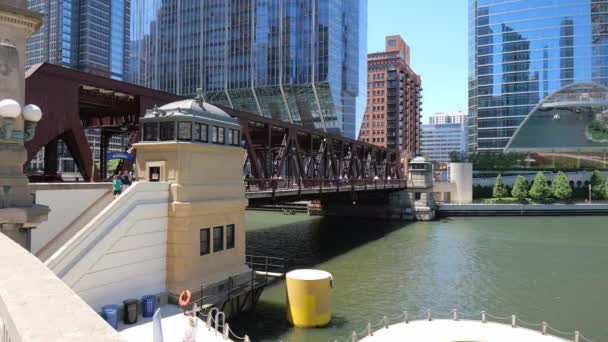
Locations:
{"points": [[540, 190], [597, 185], [519, 188], [561, 187], [499, 190]]}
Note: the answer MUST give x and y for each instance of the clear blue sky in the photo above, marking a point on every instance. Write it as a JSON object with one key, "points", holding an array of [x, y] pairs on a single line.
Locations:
{"points": [[436, 31]]}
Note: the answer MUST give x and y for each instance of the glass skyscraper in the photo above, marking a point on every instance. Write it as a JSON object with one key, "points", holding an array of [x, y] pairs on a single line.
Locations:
{"points": [[293, 60], [543, 59], [88, 35]]}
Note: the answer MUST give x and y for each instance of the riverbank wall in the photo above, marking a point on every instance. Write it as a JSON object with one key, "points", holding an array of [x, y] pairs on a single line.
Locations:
{"points": [[575, 209]]}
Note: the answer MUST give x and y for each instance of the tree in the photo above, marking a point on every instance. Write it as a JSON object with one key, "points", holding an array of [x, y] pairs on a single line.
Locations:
{"points": [[519, 188], [561, 187], [606, 189], [457, 156], [540, 190], [499, 190], [597, 185]]}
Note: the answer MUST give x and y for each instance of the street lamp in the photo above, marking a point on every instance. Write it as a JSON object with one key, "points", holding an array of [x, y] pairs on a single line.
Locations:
{"points": [[32, 114], [589, 193], [10, 110]]}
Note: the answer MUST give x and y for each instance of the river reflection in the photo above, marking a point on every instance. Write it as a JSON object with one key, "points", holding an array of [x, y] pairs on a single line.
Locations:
{"points": [[540, 268]]}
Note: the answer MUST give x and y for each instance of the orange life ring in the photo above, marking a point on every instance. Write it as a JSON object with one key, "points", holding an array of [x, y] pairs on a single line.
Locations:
{"points": [[184, 298]]}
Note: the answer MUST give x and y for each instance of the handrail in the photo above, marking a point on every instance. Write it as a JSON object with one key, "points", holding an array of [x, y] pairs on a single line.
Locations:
{"points": [[427, 315], [218, 323]]}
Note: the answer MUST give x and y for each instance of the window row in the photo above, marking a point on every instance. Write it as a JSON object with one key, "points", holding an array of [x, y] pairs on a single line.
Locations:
{"points": [[372, 140], [378, 76], [191, 131], [214, 238]]}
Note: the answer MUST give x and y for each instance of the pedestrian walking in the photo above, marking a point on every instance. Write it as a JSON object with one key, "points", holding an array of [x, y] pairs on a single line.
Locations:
{"points": [[125, 179], [117, 186]]}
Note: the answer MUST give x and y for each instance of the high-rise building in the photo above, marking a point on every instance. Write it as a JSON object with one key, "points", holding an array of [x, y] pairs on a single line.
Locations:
{"points": [[88, 35], [521, 54], [448, 117], [292, 60], [445, 133], [392, 117]]}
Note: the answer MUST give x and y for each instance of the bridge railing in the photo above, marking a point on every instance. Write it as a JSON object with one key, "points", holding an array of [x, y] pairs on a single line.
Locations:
{"points": [[299, 184]]}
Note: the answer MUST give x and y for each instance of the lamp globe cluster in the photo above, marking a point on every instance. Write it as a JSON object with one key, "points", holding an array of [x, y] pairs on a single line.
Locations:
{"points": [[11, 110]]}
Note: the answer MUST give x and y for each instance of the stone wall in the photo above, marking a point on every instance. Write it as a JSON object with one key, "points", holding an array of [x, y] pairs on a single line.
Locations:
{"points": [[36, 306], [122, 253]]}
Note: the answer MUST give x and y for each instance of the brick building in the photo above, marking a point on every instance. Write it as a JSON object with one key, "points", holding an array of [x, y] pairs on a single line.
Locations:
{"points": [[393, 113]]}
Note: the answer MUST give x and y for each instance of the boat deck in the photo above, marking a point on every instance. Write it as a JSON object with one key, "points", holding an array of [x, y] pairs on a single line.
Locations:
{"points": [[173, 324], [449, 330]]}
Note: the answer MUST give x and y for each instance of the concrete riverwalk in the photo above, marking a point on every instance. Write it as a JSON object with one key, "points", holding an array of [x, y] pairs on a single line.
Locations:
{"points": [[478, 209]]}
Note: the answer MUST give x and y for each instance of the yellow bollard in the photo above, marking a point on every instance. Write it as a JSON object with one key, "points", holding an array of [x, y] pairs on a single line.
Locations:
{"points": [[308, 298]]}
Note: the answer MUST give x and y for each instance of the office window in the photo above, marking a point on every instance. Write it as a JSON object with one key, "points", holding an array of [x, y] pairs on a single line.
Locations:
{"points": [[167, 131], [204, 241], [184, 131], [230, 236], [218, 239], [151, 131]]}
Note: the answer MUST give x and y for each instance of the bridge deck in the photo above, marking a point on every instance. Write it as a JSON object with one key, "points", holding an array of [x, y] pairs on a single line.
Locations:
{"points": [[255, 189]]}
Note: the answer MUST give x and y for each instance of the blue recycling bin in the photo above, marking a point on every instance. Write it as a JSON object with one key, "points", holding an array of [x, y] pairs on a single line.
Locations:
{"points": [[148, 305], [110, 314]]}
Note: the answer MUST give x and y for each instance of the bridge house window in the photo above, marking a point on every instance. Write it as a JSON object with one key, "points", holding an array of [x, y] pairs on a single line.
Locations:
{"points": [[234, 137], [167, 131], [204, 241], [184, 131], [201, 132], [196, 132], [214, 133], [230, 236], [218, 239], [151, 131], [218, 135]]}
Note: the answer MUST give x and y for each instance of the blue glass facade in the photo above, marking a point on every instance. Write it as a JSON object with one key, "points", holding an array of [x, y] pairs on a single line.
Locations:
{"points": [[88, 35], [292, 60], [521, 52]]}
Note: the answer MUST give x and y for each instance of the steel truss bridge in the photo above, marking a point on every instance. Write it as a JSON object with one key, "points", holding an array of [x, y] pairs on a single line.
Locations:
{"points": [[283, 159]]}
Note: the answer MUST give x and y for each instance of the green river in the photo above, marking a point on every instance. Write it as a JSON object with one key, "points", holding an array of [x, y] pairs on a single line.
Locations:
{"points": [[540, 268]]}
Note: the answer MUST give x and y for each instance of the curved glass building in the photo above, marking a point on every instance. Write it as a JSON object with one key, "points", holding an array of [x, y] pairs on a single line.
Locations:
{"points": [[542, 62]]}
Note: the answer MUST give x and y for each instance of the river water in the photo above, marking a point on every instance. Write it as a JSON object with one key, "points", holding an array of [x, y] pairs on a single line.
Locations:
{"points": [[540, 268]]}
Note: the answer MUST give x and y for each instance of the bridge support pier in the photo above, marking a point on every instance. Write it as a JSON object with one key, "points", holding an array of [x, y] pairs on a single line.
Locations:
{"points": [[404, 205]]}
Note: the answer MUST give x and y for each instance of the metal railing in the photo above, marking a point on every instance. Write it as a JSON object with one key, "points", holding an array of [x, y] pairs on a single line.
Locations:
{"points": [[266, 265], [216, 320], [235, 286], [543, 327], [300, 184]]}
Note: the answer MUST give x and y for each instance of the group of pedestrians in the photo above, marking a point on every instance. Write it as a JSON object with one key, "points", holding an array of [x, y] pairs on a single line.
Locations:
{"points": [[121, 182]]}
